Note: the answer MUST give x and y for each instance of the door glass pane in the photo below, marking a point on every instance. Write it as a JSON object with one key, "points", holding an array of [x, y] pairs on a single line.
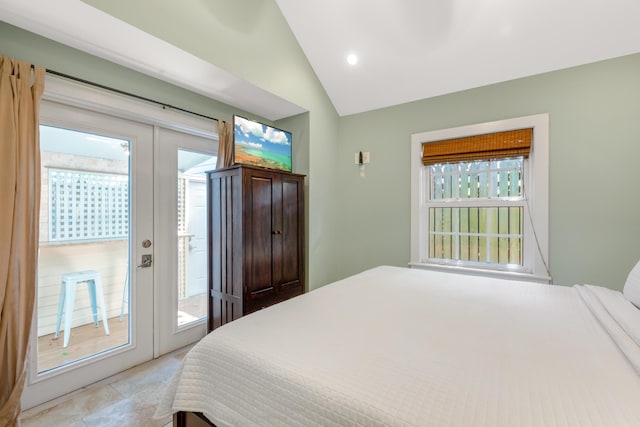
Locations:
{"points": [[192, 235], [82, 305]]}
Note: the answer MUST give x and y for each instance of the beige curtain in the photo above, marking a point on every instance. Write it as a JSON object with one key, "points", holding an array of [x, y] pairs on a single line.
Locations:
{"points": [[21, 87], [225, 144]]}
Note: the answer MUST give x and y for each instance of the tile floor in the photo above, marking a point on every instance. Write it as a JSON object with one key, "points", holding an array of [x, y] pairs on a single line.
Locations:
{"points": [[126, 399]]}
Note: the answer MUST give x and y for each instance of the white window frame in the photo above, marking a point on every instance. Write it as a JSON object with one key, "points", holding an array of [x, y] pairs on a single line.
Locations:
{"points": [[536, 238]]}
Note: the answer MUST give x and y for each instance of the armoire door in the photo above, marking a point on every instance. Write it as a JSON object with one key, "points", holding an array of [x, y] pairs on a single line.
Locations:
{"points": [[290, 257], [260, 233]]}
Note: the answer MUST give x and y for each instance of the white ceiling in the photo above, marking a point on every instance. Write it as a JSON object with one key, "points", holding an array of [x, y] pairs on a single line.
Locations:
{"points": [[408, 49], [415, 49]]}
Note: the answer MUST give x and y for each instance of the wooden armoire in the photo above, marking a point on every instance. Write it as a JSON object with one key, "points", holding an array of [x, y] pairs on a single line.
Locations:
{"points": [[256, 240]]}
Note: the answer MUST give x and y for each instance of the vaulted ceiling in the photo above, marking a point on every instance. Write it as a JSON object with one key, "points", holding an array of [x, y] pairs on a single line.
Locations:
{"points": [[414, 49], [407, 49]]}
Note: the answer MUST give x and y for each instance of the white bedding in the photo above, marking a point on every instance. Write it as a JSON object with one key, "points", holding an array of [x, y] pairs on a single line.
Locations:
{"points": [[402, 347]]}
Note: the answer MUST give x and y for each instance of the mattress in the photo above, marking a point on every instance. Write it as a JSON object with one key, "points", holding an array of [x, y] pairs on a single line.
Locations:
{"points": [[404, 347]]}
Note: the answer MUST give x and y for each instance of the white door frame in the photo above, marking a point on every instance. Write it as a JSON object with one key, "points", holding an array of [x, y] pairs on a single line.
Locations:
{"points": [[168, 336], [39, 389], [64, 379]]}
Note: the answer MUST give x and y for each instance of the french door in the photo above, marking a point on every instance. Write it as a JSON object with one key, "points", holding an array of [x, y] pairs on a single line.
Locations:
{"points": [[181, 237], [96, 210], [122, 263]]}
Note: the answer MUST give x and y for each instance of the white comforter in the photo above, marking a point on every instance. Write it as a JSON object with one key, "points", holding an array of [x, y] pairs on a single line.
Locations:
{"points": [[399, 347]]}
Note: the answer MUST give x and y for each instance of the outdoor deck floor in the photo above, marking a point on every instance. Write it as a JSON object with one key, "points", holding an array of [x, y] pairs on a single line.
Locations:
{"points": [[87, 340]]}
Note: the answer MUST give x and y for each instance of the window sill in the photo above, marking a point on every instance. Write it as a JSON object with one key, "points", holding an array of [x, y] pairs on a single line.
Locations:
{"points": [[498, 274]]}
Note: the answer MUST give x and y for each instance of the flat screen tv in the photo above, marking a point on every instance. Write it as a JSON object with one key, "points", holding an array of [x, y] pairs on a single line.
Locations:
{"points": [[261, 145]]}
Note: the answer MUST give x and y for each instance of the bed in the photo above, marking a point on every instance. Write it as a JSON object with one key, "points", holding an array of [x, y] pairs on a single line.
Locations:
{"points": [[405, 347]]}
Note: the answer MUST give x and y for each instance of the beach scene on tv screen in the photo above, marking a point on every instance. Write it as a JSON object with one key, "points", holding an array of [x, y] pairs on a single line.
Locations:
{"points": [[261, 145]]}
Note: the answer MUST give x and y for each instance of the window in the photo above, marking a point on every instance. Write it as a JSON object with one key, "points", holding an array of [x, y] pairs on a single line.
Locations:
{"points": [[476, 212], [478, 208]]}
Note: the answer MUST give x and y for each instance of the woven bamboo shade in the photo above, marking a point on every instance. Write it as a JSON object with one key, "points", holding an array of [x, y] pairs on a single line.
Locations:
{"points": [[491, 146]]}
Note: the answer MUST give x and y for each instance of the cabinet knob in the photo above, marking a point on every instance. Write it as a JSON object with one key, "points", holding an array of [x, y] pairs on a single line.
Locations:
{"points": [[276, 232]]}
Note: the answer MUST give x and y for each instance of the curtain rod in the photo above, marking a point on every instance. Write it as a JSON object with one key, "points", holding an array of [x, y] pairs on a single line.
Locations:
{"points": [[133, 95]]}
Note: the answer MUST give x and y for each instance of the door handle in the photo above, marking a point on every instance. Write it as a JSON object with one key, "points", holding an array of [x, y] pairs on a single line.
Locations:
{"points": [[147, 259]]}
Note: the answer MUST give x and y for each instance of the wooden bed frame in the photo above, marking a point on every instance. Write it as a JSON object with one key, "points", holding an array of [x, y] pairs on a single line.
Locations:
{"points": [[191, 419]]}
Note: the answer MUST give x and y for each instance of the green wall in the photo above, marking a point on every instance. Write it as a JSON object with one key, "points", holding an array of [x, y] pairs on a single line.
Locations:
{"points": [[594, 116], [251, 39], [258, 47], [30, 47], [353, 222]]}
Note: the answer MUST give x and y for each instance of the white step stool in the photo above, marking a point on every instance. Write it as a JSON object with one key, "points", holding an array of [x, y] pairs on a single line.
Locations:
{"points": [[68, 295]]}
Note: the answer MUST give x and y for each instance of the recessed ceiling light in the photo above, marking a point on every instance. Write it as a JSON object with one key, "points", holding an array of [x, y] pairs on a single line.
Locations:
{"points": [[352, 59]]}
